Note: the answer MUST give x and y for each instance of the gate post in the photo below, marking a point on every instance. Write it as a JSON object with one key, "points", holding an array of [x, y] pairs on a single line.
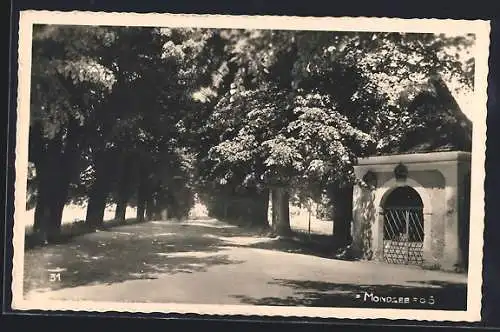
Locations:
{"points": [[427, 251], [407, 236], [378, 235]]}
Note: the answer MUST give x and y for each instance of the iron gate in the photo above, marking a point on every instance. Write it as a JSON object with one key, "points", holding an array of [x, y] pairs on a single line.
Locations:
{"points": [[403, 235]]}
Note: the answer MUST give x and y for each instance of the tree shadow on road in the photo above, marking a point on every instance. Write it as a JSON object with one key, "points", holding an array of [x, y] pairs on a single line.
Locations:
{"points": [[299, 243], [427, 295], [148, 250], [128, 253]]}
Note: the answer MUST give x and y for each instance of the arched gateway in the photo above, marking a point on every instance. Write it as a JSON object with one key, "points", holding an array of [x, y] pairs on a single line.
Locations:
{"points": [[403, 226], [415, 216]]}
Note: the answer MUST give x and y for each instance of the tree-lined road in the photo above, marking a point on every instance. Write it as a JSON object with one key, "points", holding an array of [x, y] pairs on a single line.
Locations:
{"points": [[207, 261], [147, 117]]}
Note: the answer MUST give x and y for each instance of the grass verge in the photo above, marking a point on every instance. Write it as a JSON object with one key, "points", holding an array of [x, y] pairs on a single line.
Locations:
{"points": [[69, 231]]}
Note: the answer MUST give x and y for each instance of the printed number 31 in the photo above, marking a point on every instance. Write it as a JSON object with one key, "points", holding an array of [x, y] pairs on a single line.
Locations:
{"points": [[55, 277]]}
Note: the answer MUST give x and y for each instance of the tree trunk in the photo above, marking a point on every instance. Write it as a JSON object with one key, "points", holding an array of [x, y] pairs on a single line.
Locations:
{"points": [[68, 167], [51, 198], [265, 208], [342, 215], [96, 204], [150, 209], [49, 208], [42, 208], [274, 206], [124, 193], [161, 207], [142, 193], [259, 211], [42, 213], [160, 211], [53, 169], [129, 180], [167, 206], [153, 202], [121, 210], [141, 207], [281, 211], [57, 207], [98, 193]]}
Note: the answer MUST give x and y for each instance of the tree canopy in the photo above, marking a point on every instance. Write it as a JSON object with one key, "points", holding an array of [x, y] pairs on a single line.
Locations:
{"points": [[149, 116]]}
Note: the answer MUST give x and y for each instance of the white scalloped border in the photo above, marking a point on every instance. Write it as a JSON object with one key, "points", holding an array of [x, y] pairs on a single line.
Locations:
{"points": [[479, 27]]}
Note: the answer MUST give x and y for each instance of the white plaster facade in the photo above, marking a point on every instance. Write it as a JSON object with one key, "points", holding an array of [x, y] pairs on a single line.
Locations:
{"points": [[442, 181]]}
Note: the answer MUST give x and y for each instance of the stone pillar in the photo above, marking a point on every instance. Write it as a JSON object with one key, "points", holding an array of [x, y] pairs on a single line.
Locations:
{"points": [[357, 220], [270, 208], [378, 234], [451, 253], [428, 254]]}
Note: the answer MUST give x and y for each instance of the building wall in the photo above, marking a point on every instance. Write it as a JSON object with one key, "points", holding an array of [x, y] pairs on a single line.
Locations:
{"points": [[464, 173], [441, 185]]}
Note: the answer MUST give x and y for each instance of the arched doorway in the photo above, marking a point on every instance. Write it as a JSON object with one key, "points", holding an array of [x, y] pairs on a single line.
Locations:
{"points": [[403, 227]]}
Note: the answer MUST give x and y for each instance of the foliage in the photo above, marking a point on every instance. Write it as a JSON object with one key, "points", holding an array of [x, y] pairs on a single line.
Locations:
{"points": [[333, 97], [66, 80], [229, 112]]}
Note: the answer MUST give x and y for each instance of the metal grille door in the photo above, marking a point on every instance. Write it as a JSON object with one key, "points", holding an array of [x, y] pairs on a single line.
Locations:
{"points": [[403, 235]]}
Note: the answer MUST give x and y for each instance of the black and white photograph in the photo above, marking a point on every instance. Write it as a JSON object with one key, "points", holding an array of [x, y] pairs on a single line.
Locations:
{"points": [[312, 167]]}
